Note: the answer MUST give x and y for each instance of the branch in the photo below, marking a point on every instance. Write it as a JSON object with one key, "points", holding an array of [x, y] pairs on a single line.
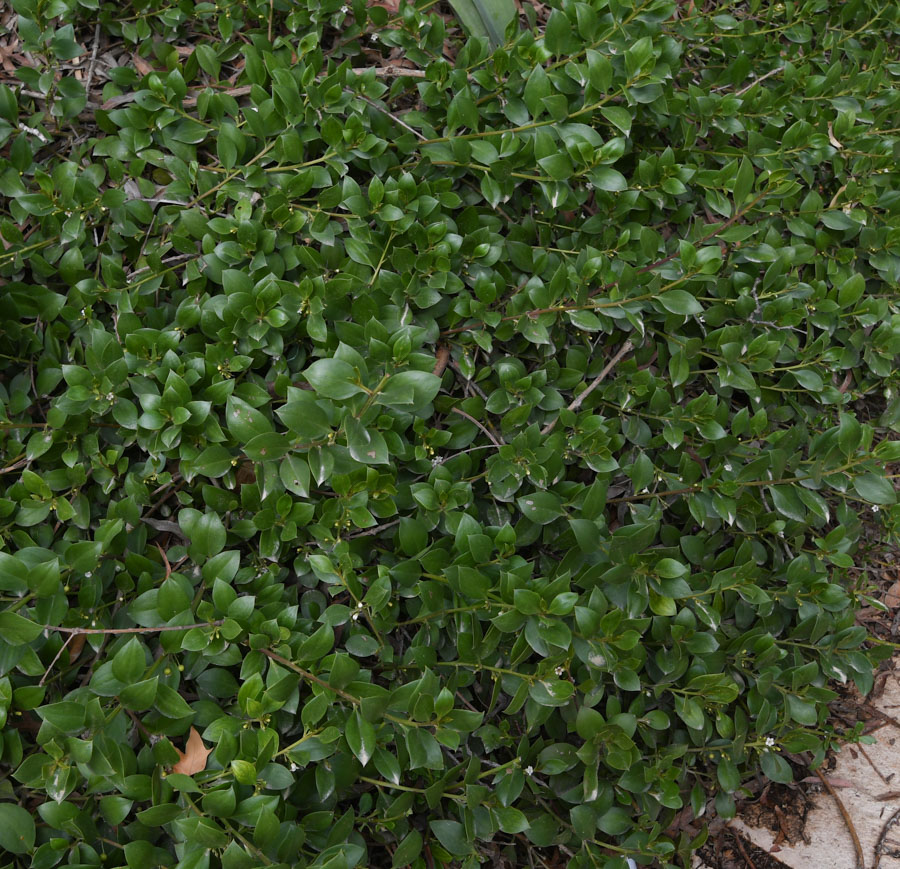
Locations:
{"points": [[626, 348], [860, 856], [63, 630], [602, 289], [472, 419]]}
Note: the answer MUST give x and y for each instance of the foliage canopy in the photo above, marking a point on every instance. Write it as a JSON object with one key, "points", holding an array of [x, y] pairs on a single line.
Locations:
{"points": [[456, 445]]}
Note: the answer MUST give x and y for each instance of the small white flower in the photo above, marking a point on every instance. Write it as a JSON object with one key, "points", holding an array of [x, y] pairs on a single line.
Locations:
{"points": [[88, 574], [874, 508], [560, 671], [529, 770], [769, 742], [373, 37], [727, 466], [344, 10], [294, 767], [355, 617]]}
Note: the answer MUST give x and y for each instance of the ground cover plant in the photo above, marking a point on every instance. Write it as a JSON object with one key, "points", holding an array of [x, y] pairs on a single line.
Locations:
{"points": [[434, 435]]}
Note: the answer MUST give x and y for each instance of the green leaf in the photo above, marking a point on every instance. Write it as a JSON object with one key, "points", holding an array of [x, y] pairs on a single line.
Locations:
{"points": [[244, 772], [128, 664], [776, 767], [333, 378], [244, 421], [266, 447], [608, 179], [540, 507], [408, 850], [213, 462], [558, 33], [17, 830], [411, 391], [511, 820], [557, 166], [360, 737], [13, 574], [619, 117], [875, 489], [205, 532], [680, 302], [462, 111], [452, 835], [16, 630], [171, 704], [851, 290], [485, 18], [536, 88], [690, 712]]}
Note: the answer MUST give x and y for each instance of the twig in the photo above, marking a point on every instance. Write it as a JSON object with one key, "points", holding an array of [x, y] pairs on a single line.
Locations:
{"points": [[888, 718], [471, 383], [879, 847], [472, 419], [163, 500], [75, 631], [138, 723], [239, 91], [15, 465], [626, 348], [370, 531], [390, 71], [165, 559], [737, 838], [738, 214], [756, 81], [55, 659], [865, 754], [860, 857], [90, 72], [165, 526], [232, 175], [387, 112]]}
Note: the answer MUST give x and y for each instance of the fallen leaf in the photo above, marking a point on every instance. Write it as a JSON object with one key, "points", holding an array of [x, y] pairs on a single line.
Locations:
{"points": [[141, 65], [76, 646], [193, 758], [834, 782], [832, 139], [892, 596]]}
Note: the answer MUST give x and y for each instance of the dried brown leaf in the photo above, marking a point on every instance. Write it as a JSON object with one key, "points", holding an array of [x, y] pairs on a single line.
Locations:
{"points": [[892, 596], [75, 647], [141, 65], [193, 758]]}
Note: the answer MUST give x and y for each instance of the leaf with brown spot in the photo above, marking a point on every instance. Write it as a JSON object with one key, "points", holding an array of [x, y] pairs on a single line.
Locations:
{"points": [[193, 758]]}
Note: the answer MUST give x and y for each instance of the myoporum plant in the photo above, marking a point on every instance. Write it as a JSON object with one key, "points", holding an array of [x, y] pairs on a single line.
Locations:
{"points": [[435, 436]]}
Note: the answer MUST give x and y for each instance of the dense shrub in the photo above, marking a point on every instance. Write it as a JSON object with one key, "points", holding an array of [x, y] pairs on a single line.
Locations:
{"points": [[462, 445]]}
